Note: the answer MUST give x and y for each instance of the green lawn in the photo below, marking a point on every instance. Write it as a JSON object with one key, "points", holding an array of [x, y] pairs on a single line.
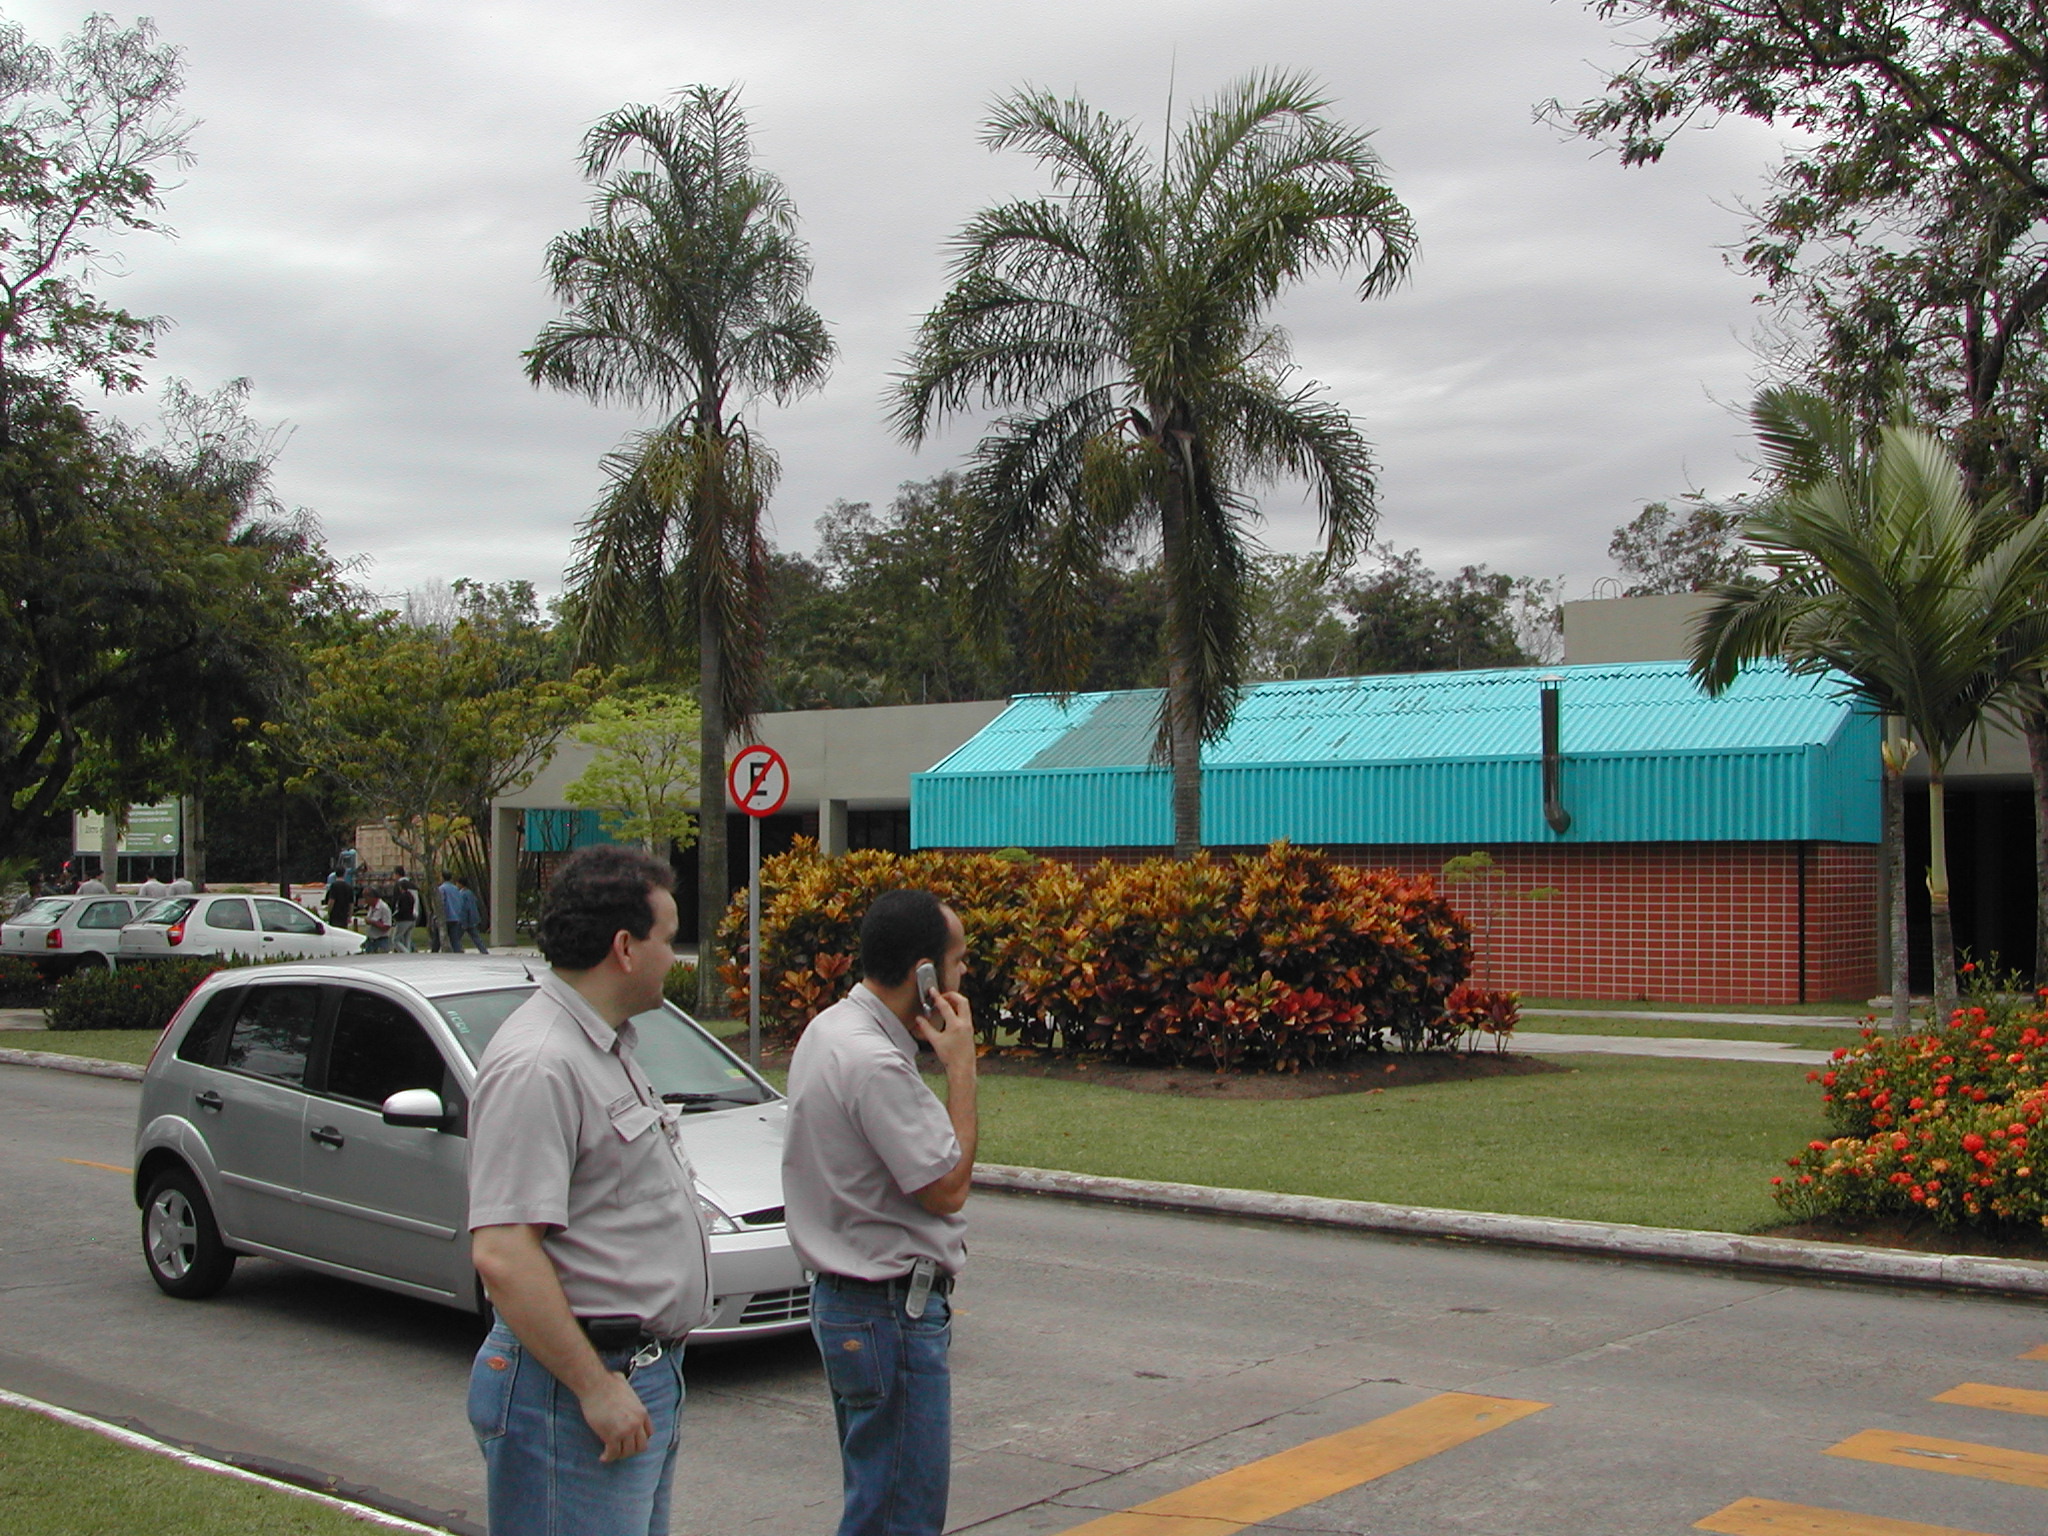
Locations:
{"points": [[1806, 1035], [132, 1045], [59, 1481]]}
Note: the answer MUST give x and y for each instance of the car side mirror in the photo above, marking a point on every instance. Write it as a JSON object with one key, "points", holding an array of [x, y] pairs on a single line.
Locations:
{"points": [[416, 1107]]}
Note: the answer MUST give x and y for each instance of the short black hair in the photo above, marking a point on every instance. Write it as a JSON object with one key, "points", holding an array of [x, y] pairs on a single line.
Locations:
{"points": [[900, 929], [595, 893]]}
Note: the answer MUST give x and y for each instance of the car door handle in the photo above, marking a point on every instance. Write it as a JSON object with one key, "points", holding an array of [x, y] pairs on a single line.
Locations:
{"points": [[207, 1100], [327, 1136]]}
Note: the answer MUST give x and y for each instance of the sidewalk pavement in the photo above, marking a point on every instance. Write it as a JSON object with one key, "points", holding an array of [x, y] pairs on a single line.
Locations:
{"points": [[1537, 1044], [1775, 1020]]}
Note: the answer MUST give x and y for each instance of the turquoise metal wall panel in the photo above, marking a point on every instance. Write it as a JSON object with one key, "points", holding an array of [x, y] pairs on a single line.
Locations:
{"points": [[560, 831], [1105, 808]]}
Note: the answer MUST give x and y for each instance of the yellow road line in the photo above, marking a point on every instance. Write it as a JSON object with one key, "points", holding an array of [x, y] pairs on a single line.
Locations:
{"points": [[82, 1162], [2038, 1353], [1273, 1485], [1991, 1462], [1975, 1394], [1767, 1517]]}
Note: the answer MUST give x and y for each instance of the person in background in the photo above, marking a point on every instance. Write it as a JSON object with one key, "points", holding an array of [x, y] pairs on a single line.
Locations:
{"points": [[405, 911], [461, 914], [93, 885], [340, 900], [154, 887], [31, 893], [182, 886], [377, 923]]}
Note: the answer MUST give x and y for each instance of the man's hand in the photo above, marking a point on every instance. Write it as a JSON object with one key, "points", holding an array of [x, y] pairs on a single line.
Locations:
{"points": [[616, 1415], [952, 1040]]}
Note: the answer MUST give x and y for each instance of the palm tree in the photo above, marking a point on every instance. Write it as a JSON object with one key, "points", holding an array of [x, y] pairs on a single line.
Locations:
{"points": [[1124, 321], [685, 292], [1886, 571]]}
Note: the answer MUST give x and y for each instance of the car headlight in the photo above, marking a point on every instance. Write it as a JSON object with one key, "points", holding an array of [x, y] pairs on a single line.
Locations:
{"points": [[716, 1221]]}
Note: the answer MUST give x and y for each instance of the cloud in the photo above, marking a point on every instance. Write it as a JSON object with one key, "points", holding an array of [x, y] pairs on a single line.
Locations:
{"points": [[362, 237]]}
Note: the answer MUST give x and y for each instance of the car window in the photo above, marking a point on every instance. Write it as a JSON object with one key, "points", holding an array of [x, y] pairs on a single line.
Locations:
{"points": [[681, 1061], [104, 914], [378, 1049], [166, 912], [285, 917], [46, 910], [273, 1033], [230, 914], [206, 1029]]}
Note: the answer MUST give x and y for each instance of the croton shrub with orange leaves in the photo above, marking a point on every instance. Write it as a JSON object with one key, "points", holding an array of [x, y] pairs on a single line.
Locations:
{"points": [[1944, 1123], [1275, 960]]}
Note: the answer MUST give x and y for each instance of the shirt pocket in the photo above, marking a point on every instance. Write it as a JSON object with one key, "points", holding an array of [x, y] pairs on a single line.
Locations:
{"points": [[647, 1169]]}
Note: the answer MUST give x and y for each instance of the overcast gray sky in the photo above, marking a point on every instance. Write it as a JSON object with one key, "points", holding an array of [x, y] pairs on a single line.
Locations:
{"points": [[376, 181]]}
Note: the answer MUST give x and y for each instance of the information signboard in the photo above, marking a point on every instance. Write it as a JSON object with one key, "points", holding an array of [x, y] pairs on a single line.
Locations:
{"points": [[151, 829]]}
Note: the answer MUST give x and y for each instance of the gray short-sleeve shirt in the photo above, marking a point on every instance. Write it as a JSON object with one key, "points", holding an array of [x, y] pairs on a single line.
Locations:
{"points": [[566, 1133], [864, 1133]]}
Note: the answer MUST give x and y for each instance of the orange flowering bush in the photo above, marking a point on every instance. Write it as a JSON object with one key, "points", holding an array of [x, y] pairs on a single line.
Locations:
{"points": [[1941, 1123], [1273, 960]]}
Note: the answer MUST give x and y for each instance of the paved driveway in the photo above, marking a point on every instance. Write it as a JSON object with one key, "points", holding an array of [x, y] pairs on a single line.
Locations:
{"points": [[1110, 1358]]}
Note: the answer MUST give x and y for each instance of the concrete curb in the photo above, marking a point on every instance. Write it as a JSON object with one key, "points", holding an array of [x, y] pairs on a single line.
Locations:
{"points": [[1716, 1250], [89, 1066]]}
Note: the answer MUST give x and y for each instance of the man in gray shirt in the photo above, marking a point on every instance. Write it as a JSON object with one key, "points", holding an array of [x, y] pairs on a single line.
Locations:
{"points": [[585, 1224], [875, 1171]]}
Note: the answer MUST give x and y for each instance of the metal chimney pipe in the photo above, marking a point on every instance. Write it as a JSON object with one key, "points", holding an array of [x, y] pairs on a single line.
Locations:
{"points": [[1554, 812]]}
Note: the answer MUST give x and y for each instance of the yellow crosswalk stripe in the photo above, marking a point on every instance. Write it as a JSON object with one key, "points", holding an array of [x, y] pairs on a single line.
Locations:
{"points": [[1991, 1462], [1270, 1487], [2039, 1352], [1767, 1517], [1975, 1394]]}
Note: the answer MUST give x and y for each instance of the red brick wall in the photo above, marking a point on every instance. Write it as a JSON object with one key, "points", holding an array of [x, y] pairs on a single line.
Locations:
{"points": [[1666, 922]]}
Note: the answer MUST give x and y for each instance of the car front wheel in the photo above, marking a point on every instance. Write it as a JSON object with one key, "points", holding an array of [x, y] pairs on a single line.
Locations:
{"points": [[180, 1240]]}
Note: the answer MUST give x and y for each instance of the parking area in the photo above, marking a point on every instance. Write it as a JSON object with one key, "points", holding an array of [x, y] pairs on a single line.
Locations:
{"points": [[1122, 1372]]}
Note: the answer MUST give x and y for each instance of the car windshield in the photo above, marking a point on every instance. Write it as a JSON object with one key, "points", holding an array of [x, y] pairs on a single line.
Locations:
{"points": [[166, 912], [684, 1064], [46, 910]]}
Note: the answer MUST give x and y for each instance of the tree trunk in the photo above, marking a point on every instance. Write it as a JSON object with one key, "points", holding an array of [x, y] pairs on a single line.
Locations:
{"points": [[110, 846], [1940, 925], [2037, 754], [1895, 878], [195, 839], [284, 873], [1183, 729], [711, 890]]}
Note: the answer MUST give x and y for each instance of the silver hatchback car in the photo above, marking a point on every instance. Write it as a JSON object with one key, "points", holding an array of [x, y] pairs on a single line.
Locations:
{"points": [[316, 1112]]}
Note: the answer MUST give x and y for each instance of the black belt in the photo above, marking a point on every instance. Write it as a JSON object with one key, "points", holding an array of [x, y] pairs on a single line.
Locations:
{"points": [[942, 1284], [610, 1333]]}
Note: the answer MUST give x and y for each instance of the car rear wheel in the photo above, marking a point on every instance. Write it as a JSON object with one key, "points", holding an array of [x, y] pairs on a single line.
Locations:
{"points": [[91, 960], [180, 1240]]}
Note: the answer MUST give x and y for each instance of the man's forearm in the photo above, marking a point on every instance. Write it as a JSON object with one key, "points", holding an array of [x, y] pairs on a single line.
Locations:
{"points": [[962, 1110], [528, 1294]]}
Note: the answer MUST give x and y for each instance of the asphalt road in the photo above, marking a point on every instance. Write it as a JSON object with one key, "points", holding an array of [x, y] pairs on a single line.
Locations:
{"points": [[1103, 1358]]}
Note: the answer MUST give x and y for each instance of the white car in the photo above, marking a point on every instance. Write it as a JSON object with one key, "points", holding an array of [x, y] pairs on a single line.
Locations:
{"points": [[222, 927], [69, 933]]}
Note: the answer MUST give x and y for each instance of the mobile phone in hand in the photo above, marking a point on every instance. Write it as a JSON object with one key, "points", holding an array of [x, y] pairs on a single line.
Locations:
{"points": [[928, 989]]}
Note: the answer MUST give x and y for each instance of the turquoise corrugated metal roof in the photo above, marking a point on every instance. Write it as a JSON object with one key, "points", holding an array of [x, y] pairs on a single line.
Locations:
{"points": [[1418, 717], [1428, 757]]}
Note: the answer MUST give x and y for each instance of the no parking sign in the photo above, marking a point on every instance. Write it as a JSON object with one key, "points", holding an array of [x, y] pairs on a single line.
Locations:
{"points": [[758, 781]]}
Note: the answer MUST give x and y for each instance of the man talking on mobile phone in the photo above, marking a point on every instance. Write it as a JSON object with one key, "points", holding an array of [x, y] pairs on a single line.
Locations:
{"points": [[875, 1172]]}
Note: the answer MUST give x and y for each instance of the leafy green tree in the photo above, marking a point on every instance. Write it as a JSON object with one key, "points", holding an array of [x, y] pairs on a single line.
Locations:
{"points": [[1405, 618], [425, 729], [1884, 569], [1662, 551], [686, 292], [1125, 320], [1295, 616], [644, 778]]}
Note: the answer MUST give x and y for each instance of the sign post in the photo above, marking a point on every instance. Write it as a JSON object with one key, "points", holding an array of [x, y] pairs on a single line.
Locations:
{"points": [[759, 782]]}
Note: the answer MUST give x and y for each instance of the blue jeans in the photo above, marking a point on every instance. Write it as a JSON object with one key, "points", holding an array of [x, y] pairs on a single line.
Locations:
{"points": [[892, 1395], [540, 1459], [476, 937]]}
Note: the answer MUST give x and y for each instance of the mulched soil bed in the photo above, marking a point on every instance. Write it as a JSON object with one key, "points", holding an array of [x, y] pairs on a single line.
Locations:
{"points": [[1369, 1073], [1920, 1236]]}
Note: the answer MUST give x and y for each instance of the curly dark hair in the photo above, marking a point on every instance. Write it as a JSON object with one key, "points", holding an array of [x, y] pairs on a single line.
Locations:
{"points": [[595, 893], [900, 929]]}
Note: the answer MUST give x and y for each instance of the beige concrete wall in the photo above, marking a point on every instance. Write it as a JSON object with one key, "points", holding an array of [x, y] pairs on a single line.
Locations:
{"points": [[862, 757], [1632, 628]]}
